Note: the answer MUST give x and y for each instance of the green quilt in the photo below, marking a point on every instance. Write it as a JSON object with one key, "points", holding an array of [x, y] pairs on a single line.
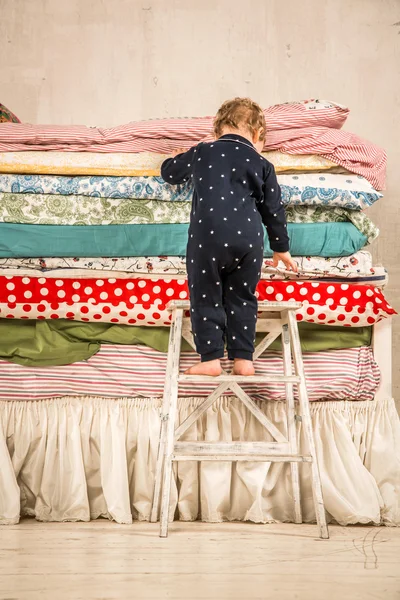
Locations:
{"points": [[51, 343], [20, 240]]}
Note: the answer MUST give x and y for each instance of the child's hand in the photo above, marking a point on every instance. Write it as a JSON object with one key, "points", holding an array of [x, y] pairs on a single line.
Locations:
{"points": [[287, 260], [178, 151]]}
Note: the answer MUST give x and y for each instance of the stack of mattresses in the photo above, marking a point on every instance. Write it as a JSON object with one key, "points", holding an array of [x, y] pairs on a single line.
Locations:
{"points": [[92, 245]]}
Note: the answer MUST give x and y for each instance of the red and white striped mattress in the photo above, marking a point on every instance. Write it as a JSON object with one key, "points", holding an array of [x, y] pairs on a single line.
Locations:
{"points": [[289, 115], [340, 147], [130, 371], [309, 127]]}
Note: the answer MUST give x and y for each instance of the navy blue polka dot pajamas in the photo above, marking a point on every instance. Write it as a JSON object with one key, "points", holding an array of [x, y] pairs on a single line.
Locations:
{"points": [[235, 192]]}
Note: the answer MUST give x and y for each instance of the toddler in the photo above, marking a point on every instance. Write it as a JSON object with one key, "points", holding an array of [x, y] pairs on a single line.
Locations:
{"points": [[235, 193]]}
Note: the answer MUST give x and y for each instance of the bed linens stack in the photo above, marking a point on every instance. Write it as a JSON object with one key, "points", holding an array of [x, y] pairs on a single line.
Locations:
{"points": [[92, 245]]}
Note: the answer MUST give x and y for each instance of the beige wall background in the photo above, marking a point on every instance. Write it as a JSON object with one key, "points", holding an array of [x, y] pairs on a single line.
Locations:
{"points": [[105, 62]]}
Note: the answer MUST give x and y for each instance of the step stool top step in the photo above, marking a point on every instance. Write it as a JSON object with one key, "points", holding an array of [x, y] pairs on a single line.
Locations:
{"points": [[264, 305]]}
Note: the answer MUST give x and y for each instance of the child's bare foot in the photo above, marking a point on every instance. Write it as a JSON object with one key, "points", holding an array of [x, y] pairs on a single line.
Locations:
{"points": [[212, 368], [243, 367]]}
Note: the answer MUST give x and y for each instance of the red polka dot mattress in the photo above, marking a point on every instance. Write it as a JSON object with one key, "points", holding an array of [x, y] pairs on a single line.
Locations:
{"points": [[140, 301]]}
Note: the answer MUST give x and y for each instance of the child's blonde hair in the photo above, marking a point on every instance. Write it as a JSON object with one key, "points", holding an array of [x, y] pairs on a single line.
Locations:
{"points": [[240, 112]]}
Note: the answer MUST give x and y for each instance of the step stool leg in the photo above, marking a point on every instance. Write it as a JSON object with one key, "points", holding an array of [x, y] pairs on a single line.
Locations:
{"points": [[171, 387], [165, 498], [172, 372], [159, 464], [291, 419], [307, 424]]}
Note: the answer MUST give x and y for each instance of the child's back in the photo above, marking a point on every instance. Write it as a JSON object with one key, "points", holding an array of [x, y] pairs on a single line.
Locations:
{"points": [[228, 178]]}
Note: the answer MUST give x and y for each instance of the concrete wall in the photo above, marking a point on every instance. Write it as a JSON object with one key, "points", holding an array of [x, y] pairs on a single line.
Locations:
{"points": [[105, 62]]}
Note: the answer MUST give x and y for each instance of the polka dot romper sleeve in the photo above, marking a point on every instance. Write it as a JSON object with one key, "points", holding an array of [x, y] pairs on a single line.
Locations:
{"points": [[272, 212], [178, 169]]}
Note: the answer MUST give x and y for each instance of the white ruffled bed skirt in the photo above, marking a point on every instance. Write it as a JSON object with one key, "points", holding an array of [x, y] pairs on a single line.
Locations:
{"points": [[80, 458]]}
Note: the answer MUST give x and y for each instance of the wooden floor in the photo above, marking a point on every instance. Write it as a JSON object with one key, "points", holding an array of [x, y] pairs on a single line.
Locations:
{"points": [[102, 560]]}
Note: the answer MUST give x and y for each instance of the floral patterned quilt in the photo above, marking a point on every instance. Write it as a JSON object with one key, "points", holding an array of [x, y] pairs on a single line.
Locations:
{"points": [[57, 209], [357, 268], [330, 189]]}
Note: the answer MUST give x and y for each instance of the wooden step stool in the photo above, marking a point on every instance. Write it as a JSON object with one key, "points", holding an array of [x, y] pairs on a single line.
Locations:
{"points": [[274, 319]]}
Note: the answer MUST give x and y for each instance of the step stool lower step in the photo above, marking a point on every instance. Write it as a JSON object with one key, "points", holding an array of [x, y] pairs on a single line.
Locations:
{"points": [[233, 451]]}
